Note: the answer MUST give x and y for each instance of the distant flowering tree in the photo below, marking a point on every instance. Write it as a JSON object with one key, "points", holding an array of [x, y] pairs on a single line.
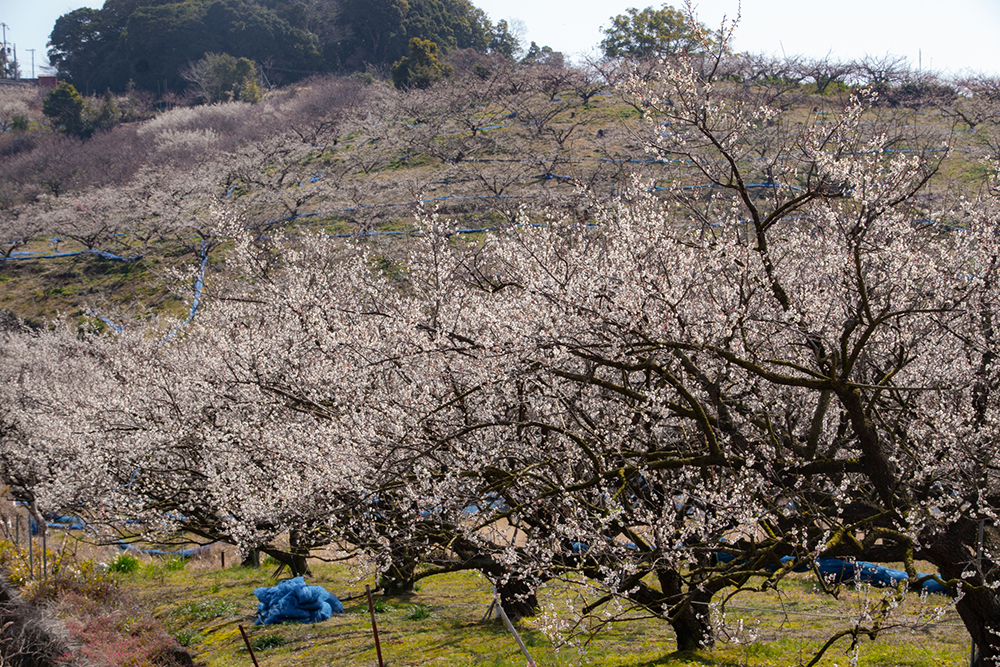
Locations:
{"points": [[219, 77]]}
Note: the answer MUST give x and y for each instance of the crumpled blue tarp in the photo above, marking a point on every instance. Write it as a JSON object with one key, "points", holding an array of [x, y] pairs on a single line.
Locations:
{"points": [[872, 573], [292, 601], [836, 570]]}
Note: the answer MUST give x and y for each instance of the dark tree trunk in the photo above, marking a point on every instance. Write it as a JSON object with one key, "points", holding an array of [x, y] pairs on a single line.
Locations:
{"points": [[296, 558], [399, 578], [252, 559], [952, 552], [980, 611], [691, 619], [693, 626], [298, 566], [517, 597], [517, 594]]}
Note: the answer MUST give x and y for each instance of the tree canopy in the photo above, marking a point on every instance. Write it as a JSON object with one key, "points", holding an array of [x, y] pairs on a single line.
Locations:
{"points": [[148, 42], [379, 32], [421, 68], [67, 109], [651, 33], [219, 77]]}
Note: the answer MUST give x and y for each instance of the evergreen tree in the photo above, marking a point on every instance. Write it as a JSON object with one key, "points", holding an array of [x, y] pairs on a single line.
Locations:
{"points": [[651, 33], [68, 110], [421, 68]]}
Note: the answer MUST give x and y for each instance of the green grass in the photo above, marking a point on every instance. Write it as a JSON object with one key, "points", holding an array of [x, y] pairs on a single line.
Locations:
{"points": [[268, 641], [124, 564], [209, 609], [442, 624], [418, 612]]}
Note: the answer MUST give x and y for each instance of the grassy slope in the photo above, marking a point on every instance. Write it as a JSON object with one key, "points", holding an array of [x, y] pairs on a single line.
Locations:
{"points": [[42, 288], [203, 606]]}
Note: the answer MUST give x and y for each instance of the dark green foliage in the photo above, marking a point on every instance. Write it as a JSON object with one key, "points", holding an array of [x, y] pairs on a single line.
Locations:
{"points": [[148, 42], [124, 564], [219, 77], [650, 33], [421, 68], [542, 55], [418, 612], [918, 94], [380, 30], [268, 641], [68, 110], [109, 114], [502, 41], [79, 45], [381, 605]]}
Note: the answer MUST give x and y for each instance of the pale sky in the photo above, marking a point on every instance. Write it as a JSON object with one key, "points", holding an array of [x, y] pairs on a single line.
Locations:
{"points": [[951, 36]]}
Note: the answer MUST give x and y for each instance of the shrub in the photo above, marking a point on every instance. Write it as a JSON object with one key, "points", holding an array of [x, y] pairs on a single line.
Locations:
{"points": [[421, 68], [27, 637], [15, 109], [189, 637], [268, 641], [209, 608], [14, 563], [124, 564], [68, 110], [418, 612], [123, 639], [219, 77]]}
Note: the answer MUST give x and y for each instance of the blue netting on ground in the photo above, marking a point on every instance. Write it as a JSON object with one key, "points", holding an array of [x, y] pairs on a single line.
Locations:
{"points": [[836, 570], [292, 601]]}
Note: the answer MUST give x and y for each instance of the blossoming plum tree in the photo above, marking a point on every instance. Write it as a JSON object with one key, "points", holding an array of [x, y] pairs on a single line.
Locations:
{"points": [[781, 350]]}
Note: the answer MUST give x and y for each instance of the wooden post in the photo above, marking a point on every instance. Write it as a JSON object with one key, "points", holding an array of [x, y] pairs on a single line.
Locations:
{"points": [[371, 610], [510, 627], [246, 640]]}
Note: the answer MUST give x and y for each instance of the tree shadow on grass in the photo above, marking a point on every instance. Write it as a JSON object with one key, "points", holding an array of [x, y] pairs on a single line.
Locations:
{"points": [[686, 658]]}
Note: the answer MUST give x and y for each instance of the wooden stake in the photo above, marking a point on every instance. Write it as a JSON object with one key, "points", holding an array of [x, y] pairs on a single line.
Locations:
{"points": [[371, 610], [246, 640], [510, 627]]}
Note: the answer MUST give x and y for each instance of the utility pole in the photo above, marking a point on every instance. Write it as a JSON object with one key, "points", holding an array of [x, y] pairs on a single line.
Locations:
{"points": [[32, 62], [4, 59]]}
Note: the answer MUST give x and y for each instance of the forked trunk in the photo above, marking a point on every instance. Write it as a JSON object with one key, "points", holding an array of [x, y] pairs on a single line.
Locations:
{"points": [[691, 619]]}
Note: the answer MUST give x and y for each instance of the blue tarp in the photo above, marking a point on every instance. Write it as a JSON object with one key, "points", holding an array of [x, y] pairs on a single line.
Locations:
{"points": [[294, 601], [185, 553], [836, 570]]}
